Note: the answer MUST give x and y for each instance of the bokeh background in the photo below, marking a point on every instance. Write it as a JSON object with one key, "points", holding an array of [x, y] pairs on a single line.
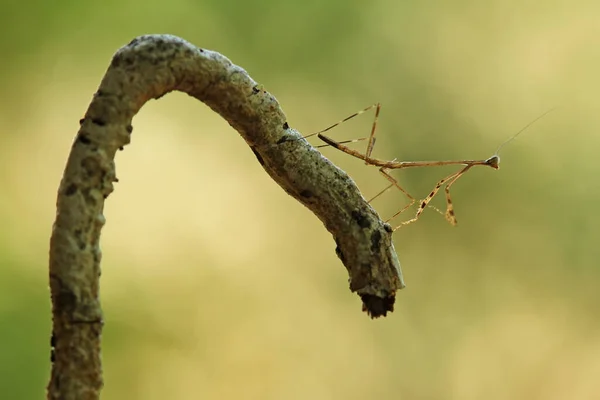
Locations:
{"points": [[218, 285]]}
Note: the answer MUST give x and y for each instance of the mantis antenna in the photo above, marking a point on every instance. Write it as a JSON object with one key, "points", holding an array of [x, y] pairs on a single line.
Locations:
{"points": [[510, 139]]}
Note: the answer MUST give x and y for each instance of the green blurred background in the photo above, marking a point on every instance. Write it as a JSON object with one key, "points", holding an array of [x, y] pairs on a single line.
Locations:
{"points": [[218, 285]]}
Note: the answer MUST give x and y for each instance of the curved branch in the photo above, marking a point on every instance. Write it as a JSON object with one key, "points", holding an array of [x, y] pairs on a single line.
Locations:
{"points": [[147, 68]]}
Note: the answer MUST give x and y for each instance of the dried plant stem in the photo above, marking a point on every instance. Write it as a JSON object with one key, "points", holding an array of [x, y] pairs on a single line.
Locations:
{"points": [[147, 68]]}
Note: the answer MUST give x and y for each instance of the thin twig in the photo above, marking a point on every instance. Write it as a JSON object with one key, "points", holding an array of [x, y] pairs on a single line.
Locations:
{"points": [[147, 68]]}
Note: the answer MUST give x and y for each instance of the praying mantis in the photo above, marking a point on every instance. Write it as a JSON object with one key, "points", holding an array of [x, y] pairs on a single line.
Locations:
{"points": [[386, 166]]}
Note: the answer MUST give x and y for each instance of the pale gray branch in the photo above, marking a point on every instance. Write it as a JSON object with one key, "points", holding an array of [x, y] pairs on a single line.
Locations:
{"points": [[147, 68]]}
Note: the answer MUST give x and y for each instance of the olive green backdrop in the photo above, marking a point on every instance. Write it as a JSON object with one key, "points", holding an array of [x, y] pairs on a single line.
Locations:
{"points": [[218, 285]]}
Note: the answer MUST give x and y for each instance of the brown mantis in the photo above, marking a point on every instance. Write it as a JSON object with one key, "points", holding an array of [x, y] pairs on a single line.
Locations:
{"points": [[385, 166]]}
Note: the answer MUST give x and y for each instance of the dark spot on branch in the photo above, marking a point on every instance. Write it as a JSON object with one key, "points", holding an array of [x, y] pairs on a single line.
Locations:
{"points": [[129, 61], [88, 322], [79, 239], [161, 45], [65, 300], [258, 156], [376, 306], [361, 219], [306, 194], [81, 121], [98, 121], [255, 90], [286, 126], [129, 128], [121, 148], [83, 139], [375, 240], [388, 228], [339, 253], [283, 139], [116, 61], [135, 41], [71, 189], [52, 346]]}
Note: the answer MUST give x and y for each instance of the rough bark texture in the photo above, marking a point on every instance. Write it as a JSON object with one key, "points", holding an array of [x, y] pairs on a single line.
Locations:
{"points": [[148, 68]]}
